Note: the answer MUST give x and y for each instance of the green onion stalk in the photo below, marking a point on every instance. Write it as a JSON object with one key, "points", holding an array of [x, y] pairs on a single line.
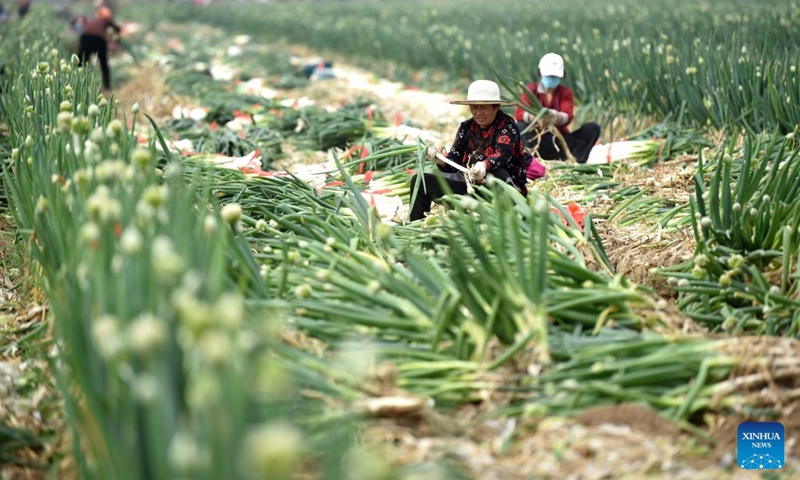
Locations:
{"points": [[164, 368]]}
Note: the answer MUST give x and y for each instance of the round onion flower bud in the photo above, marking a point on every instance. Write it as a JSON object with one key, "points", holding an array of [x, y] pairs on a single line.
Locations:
{"points": [[736, 261], [271, 452], [702, 260], [146, 334], [231, 213], [141, 157]]}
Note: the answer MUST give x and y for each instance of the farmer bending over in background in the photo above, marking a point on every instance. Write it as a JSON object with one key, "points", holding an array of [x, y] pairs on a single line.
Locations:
{"points": [[22, 7], [487, 143], [559, 101], [94, 39]]}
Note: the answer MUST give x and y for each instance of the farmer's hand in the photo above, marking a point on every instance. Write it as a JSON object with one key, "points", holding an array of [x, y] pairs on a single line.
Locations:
{"points": [[478, 171], [430, 153], [549, 117], [527, 117]]}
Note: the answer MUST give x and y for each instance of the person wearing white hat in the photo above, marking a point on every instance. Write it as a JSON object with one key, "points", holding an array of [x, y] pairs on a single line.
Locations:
{"points": [[489, 143], [560, 102]]}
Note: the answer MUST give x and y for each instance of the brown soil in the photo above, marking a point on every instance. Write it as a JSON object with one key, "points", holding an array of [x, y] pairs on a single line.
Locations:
{"points": [[641, 419], [29, 401], [625, 441], [147, 88]]}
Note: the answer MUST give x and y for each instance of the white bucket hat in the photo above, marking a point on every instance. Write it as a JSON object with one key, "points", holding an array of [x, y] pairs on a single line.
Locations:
{"points": [[483, 92], [552, 65]]}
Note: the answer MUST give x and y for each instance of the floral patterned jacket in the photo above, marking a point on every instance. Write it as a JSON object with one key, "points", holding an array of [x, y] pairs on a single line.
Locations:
{"points": [[500, 144]]}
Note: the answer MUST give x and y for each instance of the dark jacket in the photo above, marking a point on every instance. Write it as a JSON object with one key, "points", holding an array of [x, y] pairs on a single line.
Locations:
{"points": [[500, 144], [98, 27]]}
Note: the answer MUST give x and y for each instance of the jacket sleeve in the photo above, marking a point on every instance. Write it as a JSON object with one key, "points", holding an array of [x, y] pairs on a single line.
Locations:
{"points": [[114, 25], [501, 153], [567, 104]]}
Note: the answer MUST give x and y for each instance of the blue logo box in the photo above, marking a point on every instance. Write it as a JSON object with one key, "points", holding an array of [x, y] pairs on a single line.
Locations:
{"points": [[760, 446]]}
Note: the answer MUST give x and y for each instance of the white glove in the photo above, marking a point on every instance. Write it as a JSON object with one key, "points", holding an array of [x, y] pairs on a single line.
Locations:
{"points": [[430, 153], [478, 171], [550, 116]]}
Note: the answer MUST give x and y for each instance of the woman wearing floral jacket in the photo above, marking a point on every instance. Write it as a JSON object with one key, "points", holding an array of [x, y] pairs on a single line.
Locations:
{"points": [[487, 144]]}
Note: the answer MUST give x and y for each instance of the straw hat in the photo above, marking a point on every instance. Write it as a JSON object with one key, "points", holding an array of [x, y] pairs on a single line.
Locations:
{"points": [[483, 92], [552, 65]]}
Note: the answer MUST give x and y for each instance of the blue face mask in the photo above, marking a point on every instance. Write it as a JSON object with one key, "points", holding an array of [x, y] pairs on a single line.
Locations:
{"points": [[550, 82]]}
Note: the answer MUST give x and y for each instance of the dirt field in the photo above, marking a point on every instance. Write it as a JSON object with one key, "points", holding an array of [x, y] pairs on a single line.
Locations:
{"points": [[617, 442], [625, 442]]}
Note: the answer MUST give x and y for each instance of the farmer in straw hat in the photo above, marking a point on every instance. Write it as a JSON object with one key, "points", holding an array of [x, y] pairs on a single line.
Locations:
{"points": [[488, 143], [559, 101]]}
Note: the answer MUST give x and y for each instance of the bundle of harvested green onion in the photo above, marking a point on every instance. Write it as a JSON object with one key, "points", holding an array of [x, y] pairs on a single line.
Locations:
{"points": [[481, 275], [681, 376]]}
